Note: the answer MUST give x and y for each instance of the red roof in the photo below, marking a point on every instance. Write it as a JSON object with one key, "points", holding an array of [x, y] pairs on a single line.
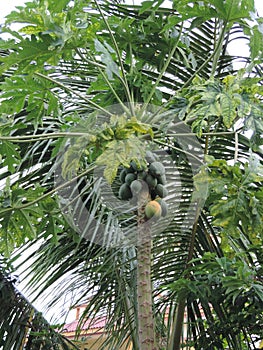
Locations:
{"points": [[89, 324]]}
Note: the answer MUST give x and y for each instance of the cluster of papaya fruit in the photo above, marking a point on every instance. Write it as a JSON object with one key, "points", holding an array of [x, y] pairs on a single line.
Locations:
{"points": [[148, 180]]}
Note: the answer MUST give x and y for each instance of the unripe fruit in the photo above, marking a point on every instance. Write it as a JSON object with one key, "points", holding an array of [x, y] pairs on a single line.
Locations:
{"points": [[161, 179], [156, 169], [129, 178], [153, 209], [123, 173], [141, 175], [136, 187], [163, 205], [140, 191], [161, 191], [136, 166], [125, 192], [151, 181], [150, 157], [130, 170]]}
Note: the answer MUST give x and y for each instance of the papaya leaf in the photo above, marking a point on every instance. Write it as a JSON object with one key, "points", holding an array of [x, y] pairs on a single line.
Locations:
{"points": [[29, 52], [71, 158], [235, 197], [57, 6], [17, 226], [106, 58], [9, 155], [228, 109], [120, 152], [151, 5], [256, 43]]}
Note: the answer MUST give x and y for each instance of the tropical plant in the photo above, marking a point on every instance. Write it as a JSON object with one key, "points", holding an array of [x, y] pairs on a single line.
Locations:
{"points": [[88, 89], [21, 324]]}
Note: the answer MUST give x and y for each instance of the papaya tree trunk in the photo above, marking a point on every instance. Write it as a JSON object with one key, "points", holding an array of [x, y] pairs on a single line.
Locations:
{"points": [[146, 324]]}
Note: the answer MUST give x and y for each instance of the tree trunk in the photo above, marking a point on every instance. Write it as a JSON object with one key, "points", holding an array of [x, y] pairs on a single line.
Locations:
{"points": [[146, 324]]}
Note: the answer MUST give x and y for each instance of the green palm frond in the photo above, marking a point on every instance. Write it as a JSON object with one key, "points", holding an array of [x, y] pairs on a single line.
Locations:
{"points": [[86, 245], [21, 325]]}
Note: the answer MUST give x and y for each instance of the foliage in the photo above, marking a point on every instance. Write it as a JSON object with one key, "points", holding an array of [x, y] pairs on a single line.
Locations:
{"points": [[21, 323], [228, 284], [89, 84]]}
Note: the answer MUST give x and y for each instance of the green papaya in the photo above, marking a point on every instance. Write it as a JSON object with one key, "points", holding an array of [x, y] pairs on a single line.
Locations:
{"points": [[161, 180], [156, 169], [135, 166], [151, 181], [130, 170], [150, 157], [142, 175], [161, 191], [153, 209], [136, 187], [122, 175], [125, 192], [163, 205], [129, 178]]}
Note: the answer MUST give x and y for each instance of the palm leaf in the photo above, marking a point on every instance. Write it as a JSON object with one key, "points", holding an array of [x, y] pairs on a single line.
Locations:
{"points": [[21, 324], [105, 274]]}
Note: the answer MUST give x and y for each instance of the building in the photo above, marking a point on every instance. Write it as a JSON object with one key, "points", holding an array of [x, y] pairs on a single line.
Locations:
{"points": [[92, 332]]}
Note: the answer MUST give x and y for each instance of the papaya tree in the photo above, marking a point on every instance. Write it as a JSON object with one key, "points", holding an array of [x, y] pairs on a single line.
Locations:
{"points": [[131, 152]]}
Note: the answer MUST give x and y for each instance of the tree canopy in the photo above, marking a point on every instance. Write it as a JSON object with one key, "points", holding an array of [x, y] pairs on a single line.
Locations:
{"points": [[88, 89]]}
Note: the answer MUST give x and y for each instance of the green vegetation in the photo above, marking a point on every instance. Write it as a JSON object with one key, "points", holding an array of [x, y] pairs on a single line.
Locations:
{"points": [[113, 114]]}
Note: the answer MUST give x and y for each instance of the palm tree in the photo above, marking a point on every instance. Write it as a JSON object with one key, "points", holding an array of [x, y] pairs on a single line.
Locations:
{"points": [[79, 77], [22, 326]]}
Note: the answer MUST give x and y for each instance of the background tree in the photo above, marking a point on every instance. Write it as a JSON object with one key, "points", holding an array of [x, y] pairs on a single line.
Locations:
{"points": [[169, 68], [21, 324]]}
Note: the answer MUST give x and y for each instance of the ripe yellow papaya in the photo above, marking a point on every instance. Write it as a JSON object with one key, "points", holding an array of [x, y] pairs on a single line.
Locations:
{"points": [[153, 210]]}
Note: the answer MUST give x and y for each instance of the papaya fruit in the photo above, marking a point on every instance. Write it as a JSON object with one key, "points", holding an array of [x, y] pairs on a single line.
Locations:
{"points": [[129, 178], [150, 157], [136, 187], [156, 169], [161, 191], [142, 175], [125, 192], [130, 170], [140, 190], [153, 210], [161, 179], [163, 205], [151, 181], [122, 175], [136, 166]]}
